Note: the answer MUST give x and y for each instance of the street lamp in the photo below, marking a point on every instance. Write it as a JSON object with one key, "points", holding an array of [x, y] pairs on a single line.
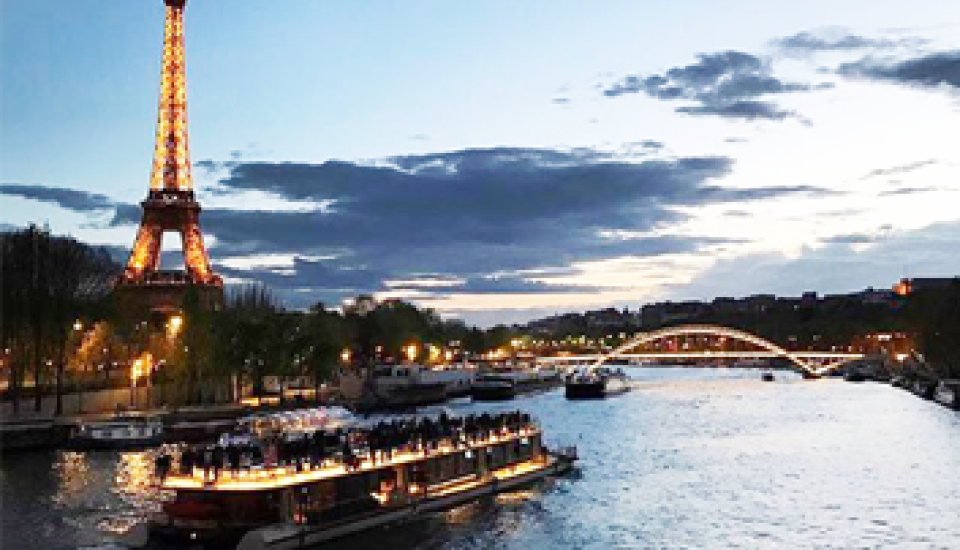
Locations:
{"points": [[174, 324], [411, 351], [78, 328], [135, 372]]}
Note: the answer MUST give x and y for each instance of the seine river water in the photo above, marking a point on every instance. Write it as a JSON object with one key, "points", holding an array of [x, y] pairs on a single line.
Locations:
{"points": [[694, 458]]}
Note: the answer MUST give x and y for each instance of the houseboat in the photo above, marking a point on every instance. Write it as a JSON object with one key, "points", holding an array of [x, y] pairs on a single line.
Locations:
{"points": [[405, 386], [596, 383], [299, 491]]}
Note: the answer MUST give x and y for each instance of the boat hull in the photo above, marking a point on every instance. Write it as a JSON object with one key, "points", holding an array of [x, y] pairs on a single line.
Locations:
{"points": [[286, 536], [595, 389], [493, 393]]}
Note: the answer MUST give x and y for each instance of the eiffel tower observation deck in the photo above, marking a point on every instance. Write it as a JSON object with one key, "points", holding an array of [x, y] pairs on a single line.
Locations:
{"points": [[170, 205]]}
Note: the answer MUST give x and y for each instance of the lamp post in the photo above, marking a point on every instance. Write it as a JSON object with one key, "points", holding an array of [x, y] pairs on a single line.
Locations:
{"points": [[78, 331], [135, 371]]}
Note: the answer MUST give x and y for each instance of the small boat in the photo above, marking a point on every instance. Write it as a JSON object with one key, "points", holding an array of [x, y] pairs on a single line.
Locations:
{"points": [[301, 491], [120, 432], [493, 387], [855, 376], [948, 393], [768, 376], [596, 383]]}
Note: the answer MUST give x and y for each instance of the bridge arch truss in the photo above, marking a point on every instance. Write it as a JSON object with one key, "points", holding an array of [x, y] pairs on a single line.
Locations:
{"points": [[801, 359]]}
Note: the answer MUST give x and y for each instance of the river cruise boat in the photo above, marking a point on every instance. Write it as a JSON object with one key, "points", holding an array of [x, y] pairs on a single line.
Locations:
{"points": [[596, 383], [119, 432], [302, 490]]}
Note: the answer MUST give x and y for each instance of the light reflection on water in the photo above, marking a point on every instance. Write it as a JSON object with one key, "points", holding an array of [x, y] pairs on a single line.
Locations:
{"points": [[694, 458]]}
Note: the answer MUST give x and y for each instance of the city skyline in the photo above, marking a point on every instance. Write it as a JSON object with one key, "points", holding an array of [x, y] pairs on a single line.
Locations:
{"points": [[480, 161]]}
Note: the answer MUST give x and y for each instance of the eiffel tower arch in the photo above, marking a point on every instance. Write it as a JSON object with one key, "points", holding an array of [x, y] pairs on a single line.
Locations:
{"points": [[170, 205]]}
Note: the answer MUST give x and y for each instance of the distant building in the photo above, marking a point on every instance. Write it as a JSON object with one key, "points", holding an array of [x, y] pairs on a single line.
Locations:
{"points": [[909, 286]]}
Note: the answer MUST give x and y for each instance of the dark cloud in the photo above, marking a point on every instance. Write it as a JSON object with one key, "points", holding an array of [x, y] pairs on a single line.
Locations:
{"points": [[725, 84], [484, 216], [928, 70], [902, 169], [746, 110], [69, 199], [465, 214], [833, 40]]}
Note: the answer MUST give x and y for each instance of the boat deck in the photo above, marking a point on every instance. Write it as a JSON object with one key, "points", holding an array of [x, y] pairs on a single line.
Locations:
{"points": [[264, 478]]}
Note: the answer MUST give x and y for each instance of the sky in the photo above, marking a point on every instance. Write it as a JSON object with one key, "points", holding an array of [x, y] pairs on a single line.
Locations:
{"points": [[501, 161]]}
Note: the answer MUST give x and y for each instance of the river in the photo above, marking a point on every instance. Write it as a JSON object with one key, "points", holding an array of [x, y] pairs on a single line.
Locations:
{"points": [[694, 458]]}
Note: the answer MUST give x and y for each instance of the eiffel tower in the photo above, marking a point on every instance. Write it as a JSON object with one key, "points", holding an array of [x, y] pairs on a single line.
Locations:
{"points": [[170, 205]]}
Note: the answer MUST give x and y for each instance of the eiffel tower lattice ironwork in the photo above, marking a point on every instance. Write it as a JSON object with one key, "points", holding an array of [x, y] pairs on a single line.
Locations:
{"points": [[170, 205]]}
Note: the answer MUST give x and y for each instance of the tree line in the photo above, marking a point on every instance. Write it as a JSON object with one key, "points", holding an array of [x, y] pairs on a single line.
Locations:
{"points": [[63, 329]]}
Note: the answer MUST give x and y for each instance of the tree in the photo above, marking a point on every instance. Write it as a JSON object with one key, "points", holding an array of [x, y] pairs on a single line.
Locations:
{"points": [[936, 313], [322, 339], [47, 281]]}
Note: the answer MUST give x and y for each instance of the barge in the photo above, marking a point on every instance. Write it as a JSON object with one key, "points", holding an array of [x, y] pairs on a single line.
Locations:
{"points": [[504, 384], [302, 491], [596, 383]]}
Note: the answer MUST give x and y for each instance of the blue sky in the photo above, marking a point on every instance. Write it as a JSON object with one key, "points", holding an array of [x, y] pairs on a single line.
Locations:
{"points": [[506, 160]]}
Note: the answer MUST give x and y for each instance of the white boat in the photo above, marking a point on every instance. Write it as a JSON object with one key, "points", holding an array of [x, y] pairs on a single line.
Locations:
{"points": [[121, 431], [948, 393], [414, 385]]}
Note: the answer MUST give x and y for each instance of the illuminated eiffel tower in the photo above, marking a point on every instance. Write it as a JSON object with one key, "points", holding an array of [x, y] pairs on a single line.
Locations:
{"points": [[170, 205]]}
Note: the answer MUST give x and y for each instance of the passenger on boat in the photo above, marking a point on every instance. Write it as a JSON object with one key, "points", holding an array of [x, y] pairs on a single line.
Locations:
{"points": [[378, 443]]}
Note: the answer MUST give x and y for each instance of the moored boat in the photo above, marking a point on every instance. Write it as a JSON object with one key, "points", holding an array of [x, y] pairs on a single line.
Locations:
{"points": [[493, 387], [596, 383], [118, 432], [293, 493], [948, 393]]}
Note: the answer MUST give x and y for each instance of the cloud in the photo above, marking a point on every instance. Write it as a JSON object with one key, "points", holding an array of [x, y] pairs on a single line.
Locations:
{"points": [[902, 169], [851, 238], [69, 199], [725, 84], [466, 215], [833, 39], [847, 264], [746, 110], [937, 69], [500, 220], [900, 191]]}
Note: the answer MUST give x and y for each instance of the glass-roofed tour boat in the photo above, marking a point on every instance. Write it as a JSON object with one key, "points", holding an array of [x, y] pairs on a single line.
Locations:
{"points": [[302, 485]]}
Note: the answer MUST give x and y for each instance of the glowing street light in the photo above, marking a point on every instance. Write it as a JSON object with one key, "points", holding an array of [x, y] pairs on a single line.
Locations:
{"points": [[411, 351], [345, 356], [174, 324], [77, 325]]}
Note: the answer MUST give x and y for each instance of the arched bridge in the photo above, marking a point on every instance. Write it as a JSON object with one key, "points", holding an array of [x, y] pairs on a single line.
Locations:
{"points": [[815, 362]]}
